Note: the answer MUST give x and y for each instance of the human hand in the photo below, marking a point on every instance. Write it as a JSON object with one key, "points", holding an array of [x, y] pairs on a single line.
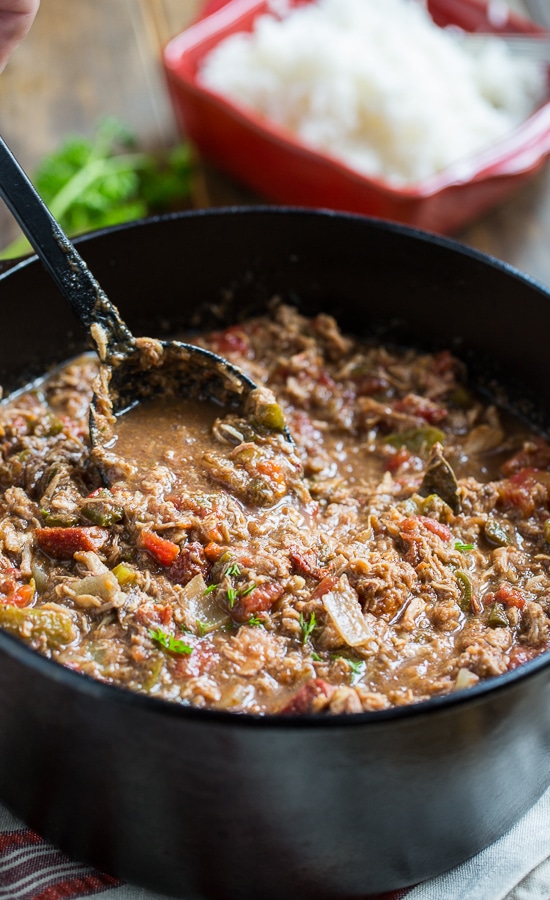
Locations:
{"points": [[16, 17]]}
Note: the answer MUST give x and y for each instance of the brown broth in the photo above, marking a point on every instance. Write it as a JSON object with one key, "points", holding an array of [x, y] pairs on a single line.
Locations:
{"points": [[167, 431]]}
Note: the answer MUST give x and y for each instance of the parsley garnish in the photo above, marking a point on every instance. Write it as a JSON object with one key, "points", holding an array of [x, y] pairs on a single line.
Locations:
{"points": [[356, 665], [463, 548], [91, 183], [169, 642], [307, 626]]}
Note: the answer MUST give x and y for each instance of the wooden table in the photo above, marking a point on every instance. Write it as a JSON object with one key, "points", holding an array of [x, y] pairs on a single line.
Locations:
{"points": [[85, 59]]}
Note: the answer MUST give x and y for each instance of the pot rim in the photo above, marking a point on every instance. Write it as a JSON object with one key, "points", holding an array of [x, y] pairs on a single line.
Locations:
{"points": [[420, 234], [96, 690]]}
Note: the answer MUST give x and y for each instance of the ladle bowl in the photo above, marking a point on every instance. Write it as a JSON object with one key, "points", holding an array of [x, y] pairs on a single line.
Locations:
{"points": [[133, 369]]}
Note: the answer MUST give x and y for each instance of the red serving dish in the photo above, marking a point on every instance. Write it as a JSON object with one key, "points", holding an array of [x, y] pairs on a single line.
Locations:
{"points": [[276, 165]]}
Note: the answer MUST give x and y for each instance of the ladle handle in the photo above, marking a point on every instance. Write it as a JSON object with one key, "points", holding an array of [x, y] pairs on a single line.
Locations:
{"points": [[85, 296]]}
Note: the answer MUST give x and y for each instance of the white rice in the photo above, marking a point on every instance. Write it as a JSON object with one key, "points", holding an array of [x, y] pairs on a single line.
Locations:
{"points": [[376, 84]]}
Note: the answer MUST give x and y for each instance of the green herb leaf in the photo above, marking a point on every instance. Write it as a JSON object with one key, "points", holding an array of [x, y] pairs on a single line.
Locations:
{"points": [[232, 595], [316, 657], [255, 620], [307, 626], [169, 642], [463, 548], [246, 591], [90, 183], [356, 665], [233, 570], [210, 588]]}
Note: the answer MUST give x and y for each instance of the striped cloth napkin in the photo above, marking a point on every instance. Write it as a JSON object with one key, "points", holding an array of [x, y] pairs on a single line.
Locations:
{"points": [[517, 867]]}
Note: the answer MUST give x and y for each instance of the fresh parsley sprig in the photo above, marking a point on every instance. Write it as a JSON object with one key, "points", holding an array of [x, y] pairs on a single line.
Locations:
{"points": [[307, 626], [90, 183], [169, 642], [463, 548]]}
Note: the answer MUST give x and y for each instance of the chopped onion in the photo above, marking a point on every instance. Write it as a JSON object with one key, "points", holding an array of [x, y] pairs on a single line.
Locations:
{"points": [[465, 679], [201, 608], [95, 591], [482, 439], [346, 614]]}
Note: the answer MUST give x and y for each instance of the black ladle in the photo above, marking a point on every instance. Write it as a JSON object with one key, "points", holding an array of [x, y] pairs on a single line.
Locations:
{"points": [[134, 369]]}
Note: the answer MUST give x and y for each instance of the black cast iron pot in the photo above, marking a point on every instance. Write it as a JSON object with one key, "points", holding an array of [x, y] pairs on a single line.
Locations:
{"points": [[204, 804]]}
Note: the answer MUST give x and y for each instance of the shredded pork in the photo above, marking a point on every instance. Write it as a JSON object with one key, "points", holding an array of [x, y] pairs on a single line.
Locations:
{"points": [[266, 577]]}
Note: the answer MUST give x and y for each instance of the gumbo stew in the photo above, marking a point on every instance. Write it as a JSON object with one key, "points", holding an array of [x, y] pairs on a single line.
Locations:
{"points": [[398, 550]]}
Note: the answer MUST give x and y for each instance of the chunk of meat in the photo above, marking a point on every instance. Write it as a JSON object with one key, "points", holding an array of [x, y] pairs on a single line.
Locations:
{"points": [[313, 697], [258, 600], [190, 561]]}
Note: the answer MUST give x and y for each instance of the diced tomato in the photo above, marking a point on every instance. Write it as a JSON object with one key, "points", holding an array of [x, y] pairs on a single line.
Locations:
{"points": [[438, 528], [154, 614], [521, 654], [421, 408], [214, 534], [526, 489], [21, 425], [326, 380], [72, 428], [301, 424], [232, 340], [190, 561], [534, 455], [410, 525], [213, 551], [328, 583], [272, 469], [197, 663], [508, 595], [412, 539], [258, 600], [397, 459], [367, 385], [245, 560], [63, 543], [22, 596], [98, 492], [530, 475], [164, 551], [190, 504], [412, 536], [313, 695]]}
